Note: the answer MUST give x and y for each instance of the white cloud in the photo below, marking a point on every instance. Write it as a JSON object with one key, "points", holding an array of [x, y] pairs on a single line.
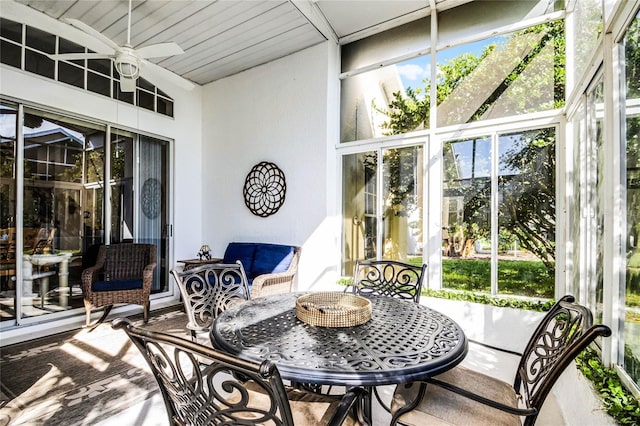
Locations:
{"points": [[411, 71]]}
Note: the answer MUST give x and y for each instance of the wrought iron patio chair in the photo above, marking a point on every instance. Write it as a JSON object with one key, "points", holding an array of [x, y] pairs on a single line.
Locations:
{"points": [[202, 386], [388, 278], [208, 290], [123, 273], [462, 396], [385, 278]]}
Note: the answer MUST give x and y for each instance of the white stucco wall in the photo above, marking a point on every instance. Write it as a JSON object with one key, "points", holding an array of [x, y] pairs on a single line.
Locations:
{"points": [[282, 112]]}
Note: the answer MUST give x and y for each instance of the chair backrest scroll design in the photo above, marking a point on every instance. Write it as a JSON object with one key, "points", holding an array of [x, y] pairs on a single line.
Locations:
{"points": [[201, 386], [564, 332], [210, 289], [388, 278]]}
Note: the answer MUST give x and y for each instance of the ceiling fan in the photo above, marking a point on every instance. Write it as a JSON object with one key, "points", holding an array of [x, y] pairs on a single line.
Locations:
{"points": [[129, 62]]}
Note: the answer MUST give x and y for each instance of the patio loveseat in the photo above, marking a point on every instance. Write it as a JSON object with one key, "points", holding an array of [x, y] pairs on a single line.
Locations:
{"points": [[270, 268]]}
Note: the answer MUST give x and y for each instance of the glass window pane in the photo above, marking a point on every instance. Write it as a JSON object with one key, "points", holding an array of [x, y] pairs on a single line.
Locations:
{"points": [[587, 15], [145, 99], [66, 46], [632, 290], [8, 234], [122, 163], [153, 220], [526, 213], [10, 54], [402, 191], [141, 82], [11, 30], [386, 101], [103, 66], [164, 106], [477, 17], [71, 74], [98, 84], [39, 63], [507, 75], [122, 96], [55, 211], [359, 208], [575, 245], [41, 40], [395, 42], [595, 107], [466, 214]]}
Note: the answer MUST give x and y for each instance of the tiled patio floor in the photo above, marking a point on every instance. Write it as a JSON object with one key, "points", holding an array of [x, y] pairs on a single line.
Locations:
{"points": [[502, 327]]}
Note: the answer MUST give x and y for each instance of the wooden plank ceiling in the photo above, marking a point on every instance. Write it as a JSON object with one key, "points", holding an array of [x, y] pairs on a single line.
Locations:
{"points": [[221, 38]]}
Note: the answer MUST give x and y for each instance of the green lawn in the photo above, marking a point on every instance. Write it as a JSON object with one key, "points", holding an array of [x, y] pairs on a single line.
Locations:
{"points": [[516, 277]]}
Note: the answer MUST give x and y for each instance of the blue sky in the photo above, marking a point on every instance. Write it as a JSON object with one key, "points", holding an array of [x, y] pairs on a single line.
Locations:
{"points": [[414, 71]]}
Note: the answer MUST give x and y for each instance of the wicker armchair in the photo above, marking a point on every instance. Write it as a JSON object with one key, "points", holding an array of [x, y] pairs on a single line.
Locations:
{"points": [[462, 396], [277, 283], [388, 278], [208, 290], [123, 273], [270, 268], [202, 386]]}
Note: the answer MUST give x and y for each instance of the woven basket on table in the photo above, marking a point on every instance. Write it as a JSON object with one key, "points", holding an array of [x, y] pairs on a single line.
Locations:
{"points": [[333, 309]]}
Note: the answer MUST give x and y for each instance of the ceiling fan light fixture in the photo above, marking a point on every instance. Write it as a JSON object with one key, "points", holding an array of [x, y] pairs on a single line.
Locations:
{"points": [[127, 65]]}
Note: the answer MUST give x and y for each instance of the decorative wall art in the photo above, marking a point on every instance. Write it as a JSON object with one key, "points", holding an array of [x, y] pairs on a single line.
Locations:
{"points": [[264, 189], [151, 198]]}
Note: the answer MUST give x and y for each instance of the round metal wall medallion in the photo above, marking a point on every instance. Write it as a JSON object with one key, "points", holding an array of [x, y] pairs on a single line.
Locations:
{"points": [[264, 189], [151, 198]]}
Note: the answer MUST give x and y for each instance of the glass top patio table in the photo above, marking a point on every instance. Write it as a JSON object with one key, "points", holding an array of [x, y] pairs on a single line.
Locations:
{"points": [[403, 342]]}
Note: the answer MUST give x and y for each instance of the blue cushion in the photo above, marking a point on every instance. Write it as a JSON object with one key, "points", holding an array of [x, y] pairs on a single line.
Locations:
{"points": [[271, 259], [116, 285], [240, 251]]}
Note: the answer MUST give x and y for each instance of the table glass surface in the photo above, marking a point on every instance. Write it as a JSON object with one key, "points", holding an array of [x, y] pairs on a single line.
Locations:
{"points": [[403, 342]]}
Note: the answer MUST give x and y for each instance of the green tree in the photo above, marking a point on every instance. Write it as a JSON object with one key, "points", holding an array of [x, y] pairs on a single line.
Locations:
{"points": [[528, 210], [410, 110]]}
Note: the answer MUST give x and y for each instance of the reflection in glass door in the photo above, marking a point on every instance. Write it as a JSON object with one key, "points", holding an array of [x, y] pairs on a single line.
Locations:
{"points": [[498, 213], [527, 213], [153, 215], [359, 208], [121, 185], [630, 356], [402, 189], [60, 216], [8, 143], [61, 198], [143, 186], [382, 221]]}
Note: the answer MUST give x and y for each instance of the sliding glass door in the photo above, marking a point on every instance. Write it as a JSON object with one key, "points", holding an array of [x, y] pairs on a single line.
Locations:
{"points": [[383, 205], [65, 189], [62, 171], [153, 215], [8, 234]]}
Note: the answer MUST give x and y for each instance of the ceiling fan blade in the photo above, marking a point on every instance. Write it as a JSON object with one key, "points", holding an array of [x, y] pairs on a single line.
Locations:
{"points": [[158, 50], [74, 56], [91, 31], [160, 77], [127, 84]]}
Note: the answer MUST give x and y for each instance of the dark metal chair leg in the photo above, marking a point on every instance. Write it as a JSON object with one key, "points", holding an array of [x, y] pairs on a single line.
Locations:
{"points": [[104, 316], [413, 404]]}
